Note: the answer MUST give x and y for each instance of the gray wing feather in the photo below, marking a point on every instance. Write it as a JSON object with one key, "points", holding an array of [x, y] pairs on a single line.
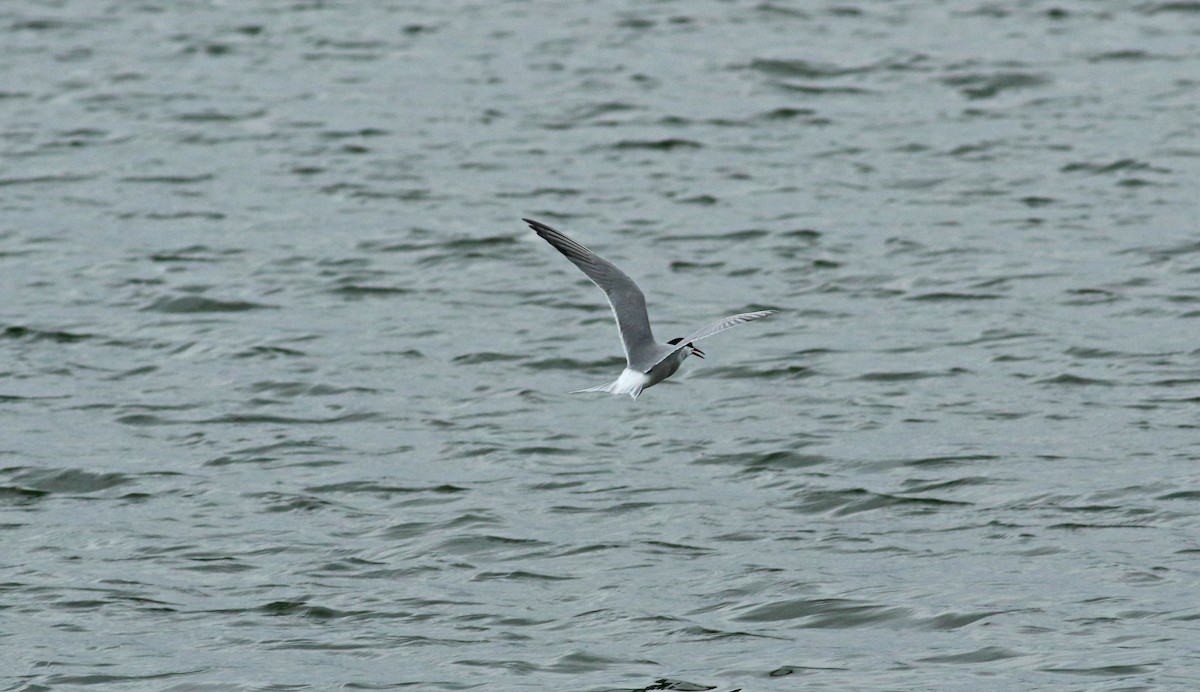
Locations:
{"points": [[627, 301], [723, 324], [714, 328]]}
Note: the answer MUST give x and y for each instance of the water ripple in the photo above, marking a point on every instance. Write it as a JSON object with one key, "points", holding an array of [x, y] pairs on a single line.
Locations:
{"points": [[284, 378]]}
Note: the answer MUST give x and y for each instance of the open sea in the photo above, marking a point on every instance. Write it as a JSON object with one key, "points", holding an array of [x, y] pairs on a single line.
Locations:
{"points": [[283, 376]]}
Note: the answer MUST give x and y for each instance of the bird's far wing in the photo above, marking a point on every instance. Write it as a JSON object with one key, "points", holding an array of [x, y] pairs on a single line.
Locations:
{"points": [[627, 301], [714, 328], [723, 324]]}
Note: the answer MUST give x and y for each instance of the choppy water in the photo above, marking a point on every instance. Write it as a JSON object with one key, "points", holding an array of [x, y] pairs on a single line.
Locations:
{"points": [[282, 373]]}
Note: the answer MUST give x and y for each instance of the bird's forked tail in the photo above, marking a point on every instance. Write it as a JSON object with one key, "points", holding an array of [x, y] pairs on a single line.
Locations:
{"points": [[630, 382]]}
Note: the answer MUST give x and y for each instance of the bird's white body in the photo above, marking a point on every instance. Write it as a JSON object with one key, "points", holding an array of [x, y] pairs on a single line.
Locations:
{"points": [[632, 382], [648, 362]]}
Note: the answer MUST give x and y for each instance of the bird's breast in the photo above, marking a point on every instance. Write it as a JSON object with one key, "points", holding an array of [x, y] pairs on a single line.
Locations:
{"points": [[668, 367]]}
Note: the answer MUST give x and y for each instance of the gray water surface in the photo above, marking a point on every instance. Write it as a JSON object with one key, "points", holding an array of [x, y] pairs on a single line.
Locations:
{"points": [[283, 376]]}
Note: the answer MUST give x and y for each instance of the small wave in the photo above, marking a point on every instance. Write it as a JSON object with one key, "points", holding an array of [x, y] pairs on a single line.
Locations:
{"points": [[199, 304], [943, 296], [65, 481], [669, 144], [986, 654], [843, 613], [355, 290], [485, 357], [57, 336], [909, 375], [1118, 166], [985, 86], [858, 500], [1069, 380]]}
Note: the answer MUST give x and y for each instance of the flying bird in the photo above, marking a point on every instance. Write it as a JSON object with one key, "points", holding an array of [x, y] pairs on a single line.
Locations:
{"points": [[648, 362]]}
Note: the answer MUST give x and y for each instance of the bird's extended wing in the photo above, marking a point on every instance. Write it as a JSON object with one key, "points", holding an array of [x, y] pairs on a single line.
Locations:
{"points": [[708, 330], [627, 301]]}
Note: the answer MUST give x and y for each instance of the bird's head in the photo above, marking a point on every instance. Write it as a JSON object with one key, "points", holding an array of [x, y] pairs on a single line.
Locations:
{"points": [[690, 347]]}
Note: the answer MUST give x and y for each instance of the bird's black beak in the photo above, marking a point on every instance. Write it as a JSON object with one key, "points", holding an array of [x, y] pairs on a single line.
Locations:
{"points": [[697, 352]]}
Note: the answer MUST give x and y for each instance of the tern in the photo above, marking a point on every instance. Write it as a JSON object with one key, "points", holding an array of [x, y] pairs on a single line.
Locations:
{"points": [[648, 362]]}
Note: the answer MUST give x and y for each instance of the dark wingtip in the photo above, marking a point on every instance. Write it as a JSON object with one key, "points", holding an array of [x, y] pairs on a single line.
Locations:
{"points": [[535, 225]]}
